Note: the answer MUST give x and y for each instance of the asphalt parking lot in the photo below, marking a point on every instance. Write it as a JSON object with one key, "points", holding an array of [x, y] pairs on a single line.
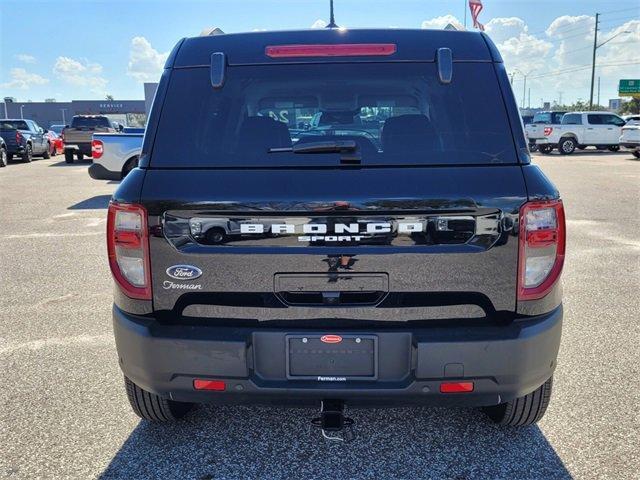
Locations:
{"points": [[65, 414]]}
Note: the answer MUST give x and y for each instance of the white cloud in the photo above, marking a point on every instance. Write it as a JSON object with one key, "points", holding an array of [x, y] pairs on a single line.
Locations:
{"points": [[80, 73], [23, 80], [564, 45], [145, 62], [438, 23], [26, 58], [319, 24]]}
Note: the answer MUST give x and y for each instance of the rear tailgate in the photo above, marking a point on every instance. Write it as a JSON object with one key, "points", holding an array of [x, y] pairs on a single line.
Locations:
{"points": [[9, 137], [442, 244]]}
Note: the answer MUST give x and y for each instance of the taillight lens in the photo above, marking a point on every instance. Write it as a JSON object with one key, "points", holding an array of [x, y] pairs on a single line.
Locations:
{"points": [[542, 248], [547, 131], [18, 137], [97, 148], [128, 248], [331, 50]]}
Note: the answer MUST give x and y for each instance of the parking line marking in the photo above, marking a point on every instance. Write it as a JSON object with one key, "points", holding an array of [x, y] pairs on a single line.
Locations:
{"points": [[49, 235]]}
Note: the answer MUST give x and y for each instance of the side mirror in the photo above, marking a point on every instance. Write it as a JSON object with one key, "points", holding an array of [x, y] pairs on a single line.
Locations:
{"points": [[45, 131]]}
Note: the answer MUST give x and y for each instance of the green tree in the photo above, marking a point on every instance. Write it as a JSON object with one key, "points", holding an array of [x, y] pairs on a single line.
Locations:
{"points": [[633, 106], [108, 97]]}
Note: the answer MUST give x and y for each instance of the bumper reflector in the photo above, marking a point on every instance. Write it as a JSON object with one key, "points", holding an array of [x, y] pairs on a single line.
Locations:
{"points": [[456, 387], [202, 384]]}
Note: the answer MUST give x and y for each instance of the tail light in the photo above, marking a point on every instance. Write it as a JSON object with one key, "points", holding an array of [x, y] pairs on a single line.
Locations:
{"points": [[97, 148], [547, 131], [18, 137], [62, 135], [128, 249], [331, 50], [542, 248]]}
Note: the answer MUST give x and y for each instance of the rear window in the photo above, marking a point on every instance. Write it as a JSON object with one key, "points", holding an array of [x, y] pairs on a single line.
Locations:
{"points": [[14, 125], [396, 113], [572, 119], [90, 122]]}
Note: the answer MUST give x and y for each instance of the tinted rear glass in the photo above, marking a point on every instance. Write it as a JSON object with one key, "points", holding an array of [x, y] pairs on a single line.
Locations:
{"points": [[396, 113], [90, 122], [14, 125]]}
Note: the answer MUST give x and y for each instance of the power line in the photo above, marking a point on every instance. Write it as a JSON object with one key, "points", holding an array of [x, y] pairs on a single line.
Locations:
{"points": [[623, 10]]}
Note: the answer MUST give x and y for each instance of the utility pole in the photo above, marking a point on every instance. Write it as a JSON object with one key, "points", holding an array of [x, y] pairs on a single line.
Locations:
{"points": [[593, 61], [598, 102], [559, 98], [332, 21], [465, 21], [529, 100], [524, 89]]}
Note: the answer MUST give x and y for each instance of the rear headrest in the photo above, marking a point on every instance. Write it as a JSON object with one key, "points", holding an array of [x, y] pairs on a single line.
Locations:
{"points": [[258, 134], [408, 133]]}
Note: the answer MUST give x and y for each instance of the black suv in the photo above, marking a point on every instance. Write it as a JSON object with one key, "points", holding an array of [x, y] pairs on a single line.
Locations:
{"points": [[383, 237]]}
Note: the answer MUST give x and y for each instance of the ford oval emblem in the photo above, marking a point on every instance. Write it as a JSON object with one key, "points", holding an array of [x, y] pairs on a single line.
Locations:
{"points": [[184, 272], [331, 338]]}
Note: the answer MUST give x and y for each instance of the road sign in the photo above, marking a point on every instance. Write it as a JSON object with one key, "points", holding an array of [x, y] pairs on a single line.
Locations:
{"points": [[629, 88]]}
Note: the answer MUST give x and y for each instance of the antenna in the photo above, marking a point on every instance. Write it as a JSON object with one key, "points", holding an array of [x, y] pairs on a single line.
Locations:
{"points": [[332, 21]]}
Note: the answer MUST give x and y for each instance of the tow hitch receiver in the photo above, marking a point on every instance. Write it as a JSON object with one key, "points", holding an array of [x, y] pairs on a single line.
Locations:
{"points": [[332, 422]]}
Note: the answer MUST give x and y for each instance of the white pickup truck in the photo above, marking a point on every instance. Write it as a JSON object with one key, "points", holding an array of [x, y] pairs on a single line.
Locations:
{"points": [[582, 129], [114, 155], [535, 129]]}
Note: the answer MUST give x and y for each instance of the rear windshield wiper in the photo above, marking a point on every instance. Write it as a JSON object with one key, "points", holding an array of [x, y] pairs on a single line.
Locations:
{"points": [[339, 146]]}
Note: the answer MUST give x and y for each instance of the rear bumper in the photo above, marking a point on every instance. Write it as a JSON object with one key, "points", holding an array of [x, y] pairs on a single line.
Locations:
{"points": [[84, 148], [504, 362], [99, 172]]}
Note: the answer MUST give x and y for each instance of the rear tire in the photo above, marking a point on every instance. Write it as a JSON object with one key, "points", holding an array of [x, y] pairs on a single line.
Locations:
{"points": [[80, 156], [545, 149], [636, 153], [4, 158], [614, 148], [215, 236], [152, 407], [128, 166], [27, 156], [567, 146], [522, 411], [47, 153], [68, 156]]}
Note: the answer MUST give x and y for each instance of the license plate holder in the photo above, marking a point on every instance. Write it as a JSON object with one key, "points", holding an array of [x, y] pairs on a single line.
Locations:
{"points": [[355, 357]]}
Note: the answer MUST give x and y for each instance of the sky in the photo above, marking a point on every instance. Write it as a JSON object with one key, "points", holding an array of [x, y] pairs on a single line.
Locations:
{"points": [[87, 49]]}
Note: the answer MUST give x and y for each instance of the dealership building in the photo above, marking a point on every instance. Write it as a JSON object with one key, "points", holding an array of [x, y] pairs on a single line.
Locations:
{"points": [[46, 114]]}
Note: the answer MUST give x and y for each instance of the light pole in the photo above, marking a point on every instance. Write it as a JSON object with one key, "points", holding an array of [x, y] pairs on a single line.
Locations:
{"points": [[21, 114], [524, 87], [64, 122], [593, 61]]}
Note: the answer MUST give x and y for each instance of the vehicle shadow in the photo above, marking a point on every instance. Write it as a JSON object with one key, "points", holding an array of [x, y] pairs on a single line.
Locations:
{"points": [[279, 443], [75, 163], [94, 203]]}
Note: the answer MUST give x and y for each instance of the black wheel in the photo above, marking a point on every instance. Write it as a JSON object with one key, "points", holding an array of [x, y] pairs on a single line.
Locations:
{"points": [[150, 406], [68, 156], [80, 156], [53, 152], [636, 153], [4, 158], [522, 411], [129, 165], [533, 147], [546, 149], [47, 153], [614, 148], [567, 146], [27, 156], [215, 235]]}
